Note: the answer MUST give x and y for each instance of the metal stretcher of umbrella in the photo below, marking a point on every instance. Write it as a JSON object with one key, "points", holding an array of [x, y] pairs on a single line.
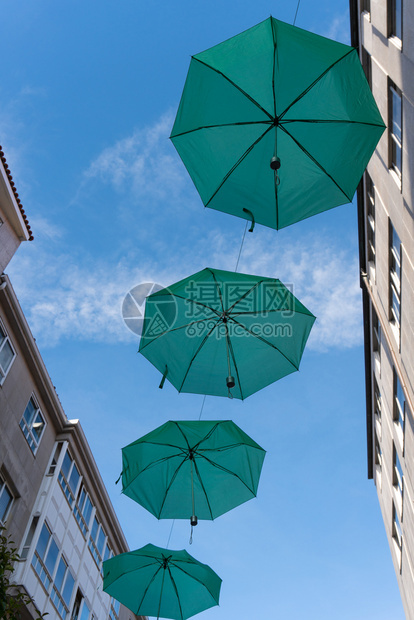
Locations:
{"points": [[193, 469], [162, 583], [276, 124], [224, 333]]}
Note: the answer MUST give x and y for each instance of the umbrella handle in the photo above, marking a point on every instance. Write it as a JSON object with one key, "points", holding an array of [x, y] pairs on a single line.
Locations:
{"points": [[252, 217]]}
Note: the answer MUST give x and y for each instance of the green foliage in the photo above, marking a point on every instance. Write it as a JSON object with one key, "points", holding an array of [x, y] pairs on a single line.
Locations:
{"points": [[11, 600]]}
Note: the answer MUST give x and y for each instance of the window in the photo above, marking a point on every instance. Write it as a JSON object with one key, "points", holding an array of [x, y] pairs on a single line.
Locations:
{"points": [[83, 510], [6, 500], [32, 424], [53, 464], [367, 66], [395, 278], [7, 354], [81, 610], [97, 541], [370, 206], [396, 532], [395, 129], [397, 480], [365, 6], [45, 556], [114, 611], [395, 18], [378, 453], [399, 404], [69, 477], [378, 461], [377, 401], [62, 588], [29, 538], [376, 334]]}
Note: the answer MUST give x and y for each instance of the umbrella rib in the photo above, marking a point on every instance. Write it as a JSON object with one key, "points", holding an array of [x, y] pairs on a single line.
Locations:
{"points": [[266, 342], [230, 346], [196, 353], [193, 576], [198, 303], [207, 436], [245, 295], [249, 97], [175, 329], [204, 490], [176, 591], [315, 162], [305, 92], [317, 120], [228, 471], [236, 124], [241, 158], [218, 290], [167, 490], [148, 587]]}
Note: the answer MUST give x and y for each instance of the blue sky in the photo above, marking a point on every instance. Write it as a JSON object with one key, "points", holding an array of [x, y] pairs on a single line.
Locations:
{"points": [[88, 97]]}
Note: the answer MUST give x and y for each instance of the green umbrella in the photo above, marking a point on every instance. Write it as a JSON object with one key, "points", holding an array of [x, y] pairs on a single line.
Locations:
{"points": [[276, 124], [152, 581], [225, 331], [198, 469]]}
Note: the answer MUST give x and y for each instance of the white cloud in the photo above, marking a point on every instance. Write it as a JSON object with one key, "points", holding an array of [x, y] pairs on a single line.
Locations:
{"points": [[82, 300], [143, 164], [339, 29]]}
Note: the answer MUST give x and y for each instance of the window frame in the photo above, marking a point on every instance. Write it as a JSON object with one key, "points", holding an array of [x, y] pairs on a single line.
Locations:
{"points": [[79, 510], [93, 542], [27, 427], [4, 487], [3, 340], [64, 480], [395, 20], [395, 142], [395, 272], [399, 409], [397, 533]]}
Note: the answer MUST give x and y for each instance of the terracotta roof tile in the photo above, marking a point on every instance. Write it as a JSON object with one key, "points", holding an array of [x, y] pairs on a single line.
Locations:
{"points": [[16, 195]]}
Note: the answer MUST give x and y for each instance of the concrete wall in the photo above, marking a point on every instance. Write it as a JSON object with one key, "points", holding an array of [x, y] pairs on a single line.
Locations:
{"points": [[393, 60]]}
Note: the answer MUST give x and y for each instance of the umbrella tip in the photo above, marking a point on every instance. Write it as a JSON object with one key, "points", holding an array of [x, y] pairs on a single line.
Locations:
{"points": [[275, 163]]}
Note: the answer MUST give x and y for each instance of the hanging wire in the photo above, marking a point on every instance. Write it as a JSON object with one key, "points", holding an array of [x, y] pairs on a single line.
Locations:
{"points": [[169, 537], [297, 9], [202, 406], [241, 246]]}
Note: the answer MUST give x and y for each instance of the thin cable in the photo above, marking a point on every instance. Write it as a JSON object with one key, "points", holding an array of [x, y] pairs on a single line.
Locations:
{"points": [[241, 246], [297, 9], [169, 537], [202, 406]]}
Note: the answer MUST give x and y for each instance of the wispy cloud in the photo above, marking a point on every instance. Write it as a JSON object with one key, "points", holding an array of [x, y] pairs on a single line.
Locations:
{"points": [[83, 300], [143, 164], [338, 29]]}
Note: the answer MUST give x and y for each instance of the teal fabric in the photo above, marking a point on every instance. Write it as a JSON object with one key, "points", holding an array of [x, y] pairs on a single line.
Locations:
{"points": [[215, 324], [185, 468], [276, 90], [152, 581]]}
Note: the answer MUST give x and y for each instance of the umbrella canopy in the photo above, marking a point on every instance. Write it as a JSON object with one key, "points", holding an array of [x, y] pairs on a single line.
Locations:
{"points": [[192, 469], [224, 331], [276, 124], [152, 581]]}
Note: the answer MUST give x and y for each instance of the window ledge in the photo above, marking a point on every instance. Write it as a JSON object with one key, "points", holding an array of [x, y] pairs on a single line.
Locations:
{"points": [[396, 42], [396, 178], [366, 15]]}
